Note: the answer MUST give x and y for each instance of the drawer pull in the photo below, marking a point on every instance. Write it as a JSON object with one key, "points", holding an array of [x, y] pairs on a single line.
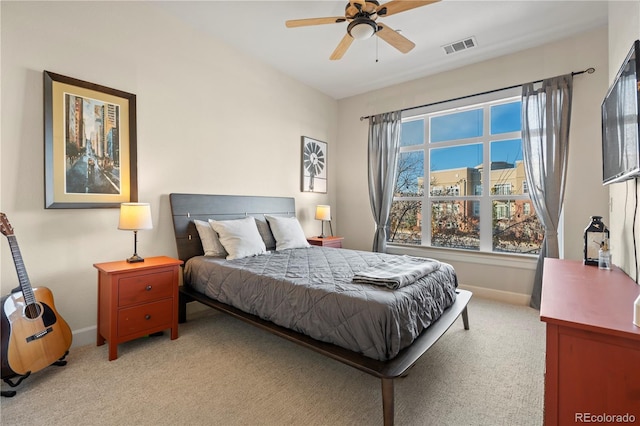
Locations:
{"points": [[147, 317], [148, 288]]}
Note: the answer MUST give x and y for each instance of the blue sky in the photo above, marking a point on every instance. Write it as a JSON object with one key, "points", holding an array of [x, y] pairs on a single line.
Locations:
{"points": [[467, 124]]}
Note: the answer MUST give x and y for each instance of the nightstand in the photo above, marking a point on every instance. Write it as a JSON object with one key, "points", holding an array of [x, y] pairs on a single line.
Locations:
{"points": [[335, 242], [136, 299]]}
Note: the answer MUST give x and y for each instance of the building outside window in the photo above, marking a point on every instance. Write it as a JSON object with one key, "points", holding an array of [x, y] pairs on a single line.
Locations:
{"points": [[450, 146]]}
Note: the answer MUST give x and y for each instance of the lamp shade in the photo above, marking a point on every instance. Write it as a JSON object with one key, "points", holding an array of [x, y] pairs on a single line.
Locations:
{"points": [[135, 216], [323, 212]]}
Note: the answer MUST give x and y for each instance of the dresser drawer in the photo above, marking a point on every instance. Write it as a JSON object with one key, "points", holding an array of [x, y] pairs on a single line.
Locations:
{"points": [[139, 318], [145, 288]]}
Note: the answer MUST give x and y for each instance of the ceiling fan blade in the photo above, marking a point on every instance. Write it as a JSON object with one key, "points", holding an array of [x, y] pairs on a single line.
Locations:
{"points": [[397, 6], [396, 40], [314, 21], [342, 47]]}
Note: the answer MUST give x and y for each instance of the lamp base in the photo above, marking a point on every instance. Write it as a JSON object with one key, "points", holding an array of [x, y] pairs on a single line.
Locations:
{"points": [[322, 230], [135, 259]]}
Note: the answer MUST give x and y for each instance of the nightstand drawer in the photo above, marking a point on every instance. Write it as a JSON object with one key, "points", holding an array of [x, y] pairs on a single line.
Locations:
{"points": [[149, 316], [145, 288]]}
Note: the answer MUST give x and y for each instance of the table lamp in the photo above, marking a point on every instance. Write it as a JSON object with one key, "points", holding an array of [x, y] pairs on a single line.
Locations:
{"points": [[323, 213], [134, 217]]}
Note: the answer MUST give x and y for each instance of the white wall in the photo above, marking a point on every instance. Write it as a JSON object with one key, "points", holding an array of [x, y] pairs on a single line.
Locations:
{"points": [[496, 275], [624, 28], [210, 120]]}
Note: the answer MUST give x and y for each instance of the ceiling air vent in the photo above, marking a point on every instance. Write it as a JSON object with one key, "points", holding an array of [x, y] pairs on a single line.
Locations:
{"points": [[461, 45]]}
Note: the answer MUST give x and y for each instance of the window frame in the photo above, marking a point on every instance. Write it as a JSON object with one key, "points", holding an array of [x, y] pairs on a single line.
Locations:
{"points": [[487, 198]]}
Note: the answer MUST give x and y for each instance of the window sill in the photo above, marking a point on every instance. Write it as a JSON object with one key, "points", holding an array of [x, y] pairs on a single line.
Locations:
{"points": [[520, 261]]}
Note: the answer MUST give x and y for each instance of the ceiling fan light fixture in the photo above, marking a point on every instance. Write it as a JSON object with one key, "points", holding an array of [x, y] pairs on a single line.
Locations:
{"points": [[361, 28]]}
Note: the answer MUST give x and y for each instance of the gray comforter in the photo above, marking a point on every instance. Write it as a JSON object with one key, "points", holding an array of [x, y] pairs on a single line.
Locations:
{"points": [[311, 291]]}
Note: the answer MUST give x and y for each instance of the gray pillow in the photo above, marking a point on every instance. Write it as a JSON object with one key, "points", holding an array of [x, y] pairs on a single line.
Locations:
{"points": [[266, 234]]}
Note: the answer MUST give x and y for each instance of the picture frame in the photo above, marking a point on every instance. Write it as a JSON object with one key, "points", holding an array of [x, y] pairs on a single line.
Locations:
{"points": [[90, 144], [314, 165]]}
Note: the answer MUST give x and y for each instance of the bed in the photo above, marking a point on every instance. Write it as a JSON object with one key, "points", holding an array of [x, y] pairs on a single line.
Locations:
{"points": [[315, 303]]}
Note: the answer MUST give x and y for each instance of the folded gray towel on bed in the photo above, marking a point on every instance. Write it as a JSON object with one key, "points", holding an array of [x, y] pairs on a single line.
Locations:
{"points": [[397, 272]]}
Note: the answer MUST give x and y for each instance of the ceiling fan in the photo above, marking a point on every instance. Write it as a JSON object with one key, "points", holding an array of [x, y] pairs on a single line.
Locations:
{"points": [[362, 16]]}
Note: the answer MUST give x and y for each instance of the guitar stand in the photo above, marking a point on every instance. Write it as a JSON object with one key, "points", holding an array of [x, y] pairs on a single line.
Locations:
{"points": [[9, 394], [61, 362]]}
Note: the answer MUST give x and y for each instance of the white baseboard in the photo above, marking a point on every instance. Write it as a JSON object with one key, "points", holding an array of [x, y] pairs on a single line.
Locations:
{"points": [[84, 336], [499, 295]]}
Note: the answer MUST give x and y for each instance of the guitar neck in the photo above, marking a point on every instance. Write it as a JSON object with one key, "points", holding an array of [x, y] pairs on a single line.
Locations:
{"points": [[25, 284]]}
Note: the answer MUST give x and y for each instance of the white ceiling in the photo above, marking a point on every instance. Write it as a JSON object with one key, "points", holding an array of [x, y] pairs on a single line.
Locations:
{"points": [[499, 27]]}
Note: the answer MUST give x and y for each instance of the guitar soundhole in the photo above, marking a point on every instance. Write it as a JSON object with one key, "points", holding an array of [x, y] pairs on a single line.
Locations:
{"points": [[32, 311]]}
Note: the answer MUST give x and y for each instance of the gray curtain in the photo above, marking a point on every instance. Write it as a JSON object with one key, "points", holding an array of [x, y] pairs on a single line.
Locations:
{"points": [[546, 115], [384, 146]]}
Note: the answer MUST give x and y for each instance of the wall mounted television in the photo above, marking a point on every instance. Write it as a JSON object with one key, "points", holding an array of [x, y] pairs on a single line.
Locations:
{"points": [[621, 122]]}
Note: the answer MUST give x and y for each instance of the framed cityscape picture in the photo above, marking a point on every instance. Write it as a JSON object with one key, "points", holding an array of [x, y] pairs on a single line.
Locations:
{"points": [[90, 144], [314, 165]]}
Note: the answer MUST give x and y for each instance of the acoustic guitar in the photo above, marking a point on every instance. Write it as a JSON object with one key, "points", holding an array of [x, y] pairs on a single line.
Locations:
{"points": [[34, 335]]}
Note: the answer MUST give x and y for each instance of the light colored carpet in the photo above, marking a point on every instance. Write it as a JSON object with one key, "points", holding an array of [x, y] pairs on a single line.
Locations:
{"points": [[221, 371]]}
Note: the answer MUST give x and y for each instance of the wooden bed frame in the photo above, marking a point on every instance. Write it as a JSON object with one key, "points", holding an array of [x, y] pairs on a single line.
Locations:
{"points": [[187, 207]]}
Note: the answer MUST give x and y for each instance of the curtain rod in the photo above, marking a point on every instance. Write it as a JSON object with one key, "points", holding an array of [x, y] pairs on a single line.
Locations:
{"points": [[590, 70]]}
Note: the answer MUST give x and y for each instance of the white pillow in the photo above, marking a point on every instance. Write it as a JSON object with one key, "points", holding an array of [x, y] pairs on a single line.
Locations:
{"points": [[287, 232], [240, 237], [210, 243]]}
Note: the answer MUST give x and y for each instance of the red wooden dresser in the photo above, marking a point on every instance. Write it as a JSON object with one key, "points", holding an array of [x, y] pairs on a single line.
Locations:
{"points": [[593, 347]]}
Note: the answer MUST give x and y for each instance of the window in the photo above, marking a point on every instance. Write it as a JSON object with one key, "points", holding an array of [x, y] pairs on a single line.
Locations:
{"points": [[502, 188], [469, 153]]}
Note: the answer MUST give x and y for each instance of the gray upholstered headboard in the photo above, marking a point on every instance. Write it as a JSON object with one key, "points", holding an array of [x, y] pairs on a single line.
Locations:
{"points": [[187, 207]]}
